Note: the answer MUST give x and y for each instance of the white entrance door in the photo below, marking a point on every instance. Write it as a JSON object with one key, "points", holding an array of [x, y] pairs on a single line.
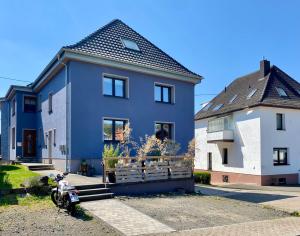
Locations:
{"points": [[50, 146]]}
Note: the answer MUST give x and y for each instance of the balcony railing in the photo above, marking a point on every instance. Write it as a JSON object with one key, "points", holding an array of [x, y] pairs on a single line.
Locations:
{"points": [[220, 124]]}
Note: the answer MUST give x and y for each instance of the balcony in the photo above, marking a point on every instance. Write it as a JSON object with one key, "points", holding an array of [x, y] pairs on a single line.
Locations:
{"points": [[220, 130]]}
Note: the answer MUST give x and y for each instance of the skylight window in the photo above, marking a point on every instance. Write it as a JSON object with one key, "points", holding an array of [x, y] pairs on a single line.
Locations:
{"points": [[130, 44], [281, 92], [232, 99], [216, 108], [206, 107], [251, 93]]}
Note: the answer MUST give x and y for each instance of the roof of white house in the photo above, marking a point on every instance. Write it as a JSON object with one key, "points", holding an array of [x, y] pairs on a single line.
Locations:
{"points": [[268, 86]]}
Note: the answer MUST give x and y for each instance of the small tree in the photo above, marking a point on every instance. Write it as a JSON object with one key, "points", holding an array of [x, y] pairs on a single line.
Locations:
{"points": [[127, 145], [150, 146], [169, 147], [191, 148]]}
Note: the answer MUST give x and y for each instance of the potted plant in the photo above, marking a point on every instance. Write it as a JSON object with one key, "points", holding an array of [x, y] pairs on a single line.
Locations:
{"points": [[110, 155]]}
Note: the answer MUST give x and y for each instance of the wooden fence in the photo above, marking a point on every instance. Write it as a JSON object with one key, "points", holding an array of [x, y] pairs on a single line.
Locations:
{"points": [[133, 169]]}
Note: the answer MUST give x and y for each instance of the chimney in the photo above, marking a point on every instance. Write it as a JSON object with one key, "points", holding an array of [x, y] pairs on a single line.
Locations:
{"points": [[264, 67]]}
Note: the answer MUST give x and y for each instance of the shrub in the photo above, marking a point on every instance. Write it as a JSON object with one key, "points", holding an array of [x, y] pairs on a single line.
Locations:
{"points": [[35, 186], [110, 153], [202, 177]]}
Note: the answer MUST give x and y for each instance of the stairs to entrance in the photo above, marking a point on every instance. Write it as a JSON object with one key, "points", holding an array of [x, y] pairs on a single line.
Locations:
{"points": [[94, 192], [38, 166]]}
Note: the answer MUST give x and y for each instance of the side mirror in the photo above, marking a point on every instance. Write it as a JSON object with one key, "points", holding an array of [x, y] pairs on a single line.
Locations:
{"points": [[65, 173]]}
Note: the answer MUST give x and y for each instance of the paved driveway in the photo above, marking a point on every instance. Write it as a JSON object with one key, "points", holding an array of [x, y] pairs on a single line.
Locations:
{"points": [[282, 198]]}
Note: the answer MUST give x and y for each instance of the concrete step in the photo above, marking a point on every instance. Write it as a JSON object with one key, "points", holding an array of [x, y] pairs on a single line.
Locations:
{"points": [[94, 197], [90, 186], [41, 167], [93, 191]]}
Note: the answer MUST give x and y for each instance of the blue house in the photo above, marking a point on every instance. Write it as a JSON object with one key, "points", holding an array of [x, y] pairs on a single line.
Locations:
{"points": [[89, 91]]}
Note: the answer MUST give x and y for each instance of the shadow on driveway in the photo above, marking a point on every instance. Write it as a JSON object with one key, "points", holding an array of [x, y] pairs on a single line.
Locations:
{"points": [[241, 196]]}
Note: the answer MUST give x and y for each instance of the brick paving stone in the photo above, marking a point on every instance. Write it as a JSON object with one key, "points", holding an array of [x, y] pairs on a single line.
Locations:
{"points": [[124, 218], [289, 226]]}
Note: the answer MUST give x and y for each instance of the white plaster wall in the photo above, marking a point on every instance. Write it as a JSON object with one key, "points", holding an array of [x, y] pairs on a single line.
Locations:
{"points": [[272, 138], [244, 154]]}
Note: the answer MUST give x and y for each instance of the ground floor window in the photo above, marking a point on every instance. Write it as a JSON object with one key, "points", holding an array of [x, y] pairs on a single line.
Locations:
{"points": [[13, 138], [163, 130], [280, 156], [225, 156], [113, 129]]}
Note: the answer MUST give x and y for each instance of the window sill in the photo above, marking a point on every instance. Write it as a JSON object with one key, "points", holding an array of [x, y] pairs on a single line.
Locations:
{"points": [[111, 96], [281, 129], [281, 164], [170, 103]]}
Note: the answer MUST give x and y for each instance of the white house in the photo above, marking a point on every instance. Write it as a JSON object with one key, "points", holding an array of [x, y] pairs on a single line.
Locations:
{"points": [[250, 132]]}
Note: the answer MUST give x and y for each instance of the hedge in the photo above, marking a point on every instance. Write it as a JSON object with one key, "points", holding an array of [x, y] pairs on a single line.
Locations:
{"points": [[202, 177]]}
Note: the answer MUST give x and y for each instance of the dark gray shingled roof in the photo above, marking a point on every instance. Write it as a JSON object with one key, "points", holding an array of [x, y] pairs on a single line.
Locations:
{"points": [[265, 81], [106, 42]]}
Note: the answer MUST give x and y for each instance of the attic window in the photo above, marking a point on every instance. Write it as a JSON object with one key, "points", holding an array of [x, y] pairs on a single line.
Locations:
{"points": [[206, 107], [251, 93], [232, 99], [216, 108], [130, 44], [281, 92]]}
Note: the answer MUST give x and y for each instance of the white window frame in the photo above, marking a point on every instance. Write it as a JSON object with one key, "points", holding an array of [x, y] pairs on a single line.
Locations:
{"points": [[29, 95], [50, 102], [111, 118], [114, 76], [172, 88], [167, 122], [13, 138]]}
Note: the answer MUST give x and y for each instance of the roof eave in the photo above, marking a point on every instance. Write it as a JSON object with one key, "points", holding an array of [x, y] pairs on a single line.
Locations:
{"points": [[87, 57]]}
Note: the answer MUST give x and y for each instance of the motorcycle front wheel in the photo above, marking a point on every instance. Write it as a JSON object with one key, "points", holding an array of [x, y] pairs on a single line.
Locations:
{"points": [[54, 197]]}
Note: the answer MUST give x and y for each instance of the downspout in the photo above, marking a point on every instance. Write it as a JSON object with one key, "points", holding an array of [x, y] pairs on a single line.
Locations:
{"points": [[68, 109]]}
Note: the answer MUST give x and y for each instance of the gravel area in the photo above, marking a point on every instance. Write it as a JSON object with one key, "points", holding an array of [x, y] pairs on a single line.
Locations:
{"points": [[198, 211], [46, 220]]}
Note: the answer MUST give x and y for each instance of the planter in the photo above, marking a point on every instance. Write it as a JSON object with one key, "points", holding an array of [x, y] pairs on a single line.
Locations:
{"points": [[111, 177]]}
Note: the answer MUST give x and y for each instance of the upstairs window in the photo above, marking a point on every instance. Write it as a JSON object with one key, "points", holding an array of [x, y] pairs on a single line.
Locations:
{"points": [[114, 87], [50, 102], [113, 129], [130, 44], [250, 95], [281, 92], [13, 107], [29, 104], [232, 99], [280, 121], [163, 131], [280, 156], [163, 93]]}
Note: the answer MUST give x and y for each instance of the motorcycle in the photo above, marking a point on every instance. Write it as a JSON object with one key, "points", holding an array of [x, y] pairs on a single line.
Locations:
{"points": [[64, 195]]}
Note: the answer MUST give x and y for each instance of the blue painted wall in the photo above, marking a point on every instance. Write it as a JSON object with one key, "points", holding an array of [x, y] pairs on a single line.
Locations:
{"points": [[56, 120], [5, 131], [89, 106]]}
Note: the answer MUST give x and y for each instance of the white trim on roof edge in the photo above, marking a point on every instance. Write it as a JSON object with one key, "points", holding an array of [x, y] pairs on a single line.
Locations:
{"points": [[86, 57]]}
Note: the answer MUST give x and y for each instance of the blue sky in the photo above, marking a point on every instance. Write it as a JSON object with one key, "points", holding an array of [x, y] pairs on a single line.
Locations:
{"points": [[218, 39]]}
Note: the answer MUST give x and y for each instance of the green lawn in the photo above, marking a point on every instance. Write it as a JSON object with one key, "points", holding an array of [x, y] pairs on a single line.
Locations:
{"points": [[12, 176]]}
